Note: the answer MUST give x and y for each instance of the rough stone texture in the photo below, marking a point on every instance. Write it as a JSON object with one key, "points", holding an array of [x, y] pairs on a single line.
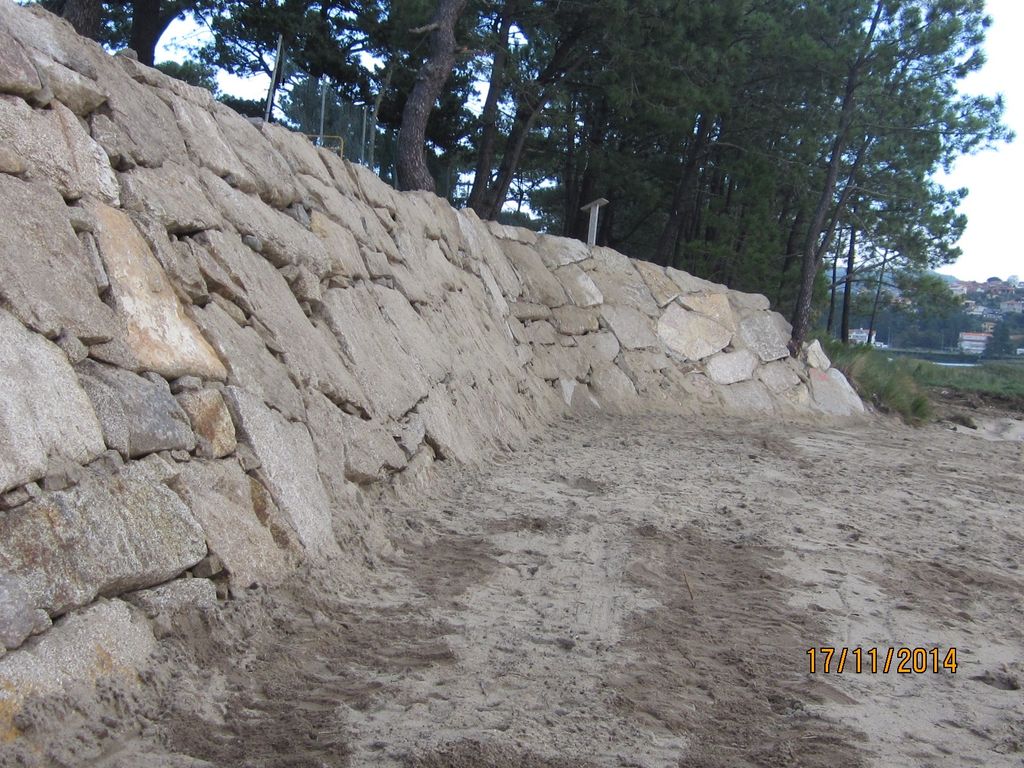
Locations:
{"points": [[44, 413], [174, 596], [814, 356], [74, 90], [713, 305], [542, 332], [690, 284], [764, 334], [250, 365], [288, 460], [376, 351], [690, 335], [746, 303], [575, 321], [663, 288], [137, 415], [219, 494], [210, 421], [612, 387], [107, 535], [17, 74], [171, 195], [778, 376], [56, 148], [539, 285], [747, 397], [598, 347], [620, 282], [19, 618], [310, 352], [633, 328], [833, 394], [524, 310], [558, 251], [105, 639], [45, 280], [158, 335], [731, 367], [579, 286]]}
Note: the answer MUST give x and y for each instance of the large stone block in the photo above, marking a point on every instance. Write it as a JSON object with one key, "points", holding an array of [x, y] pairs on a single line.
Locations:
{"points": [[713, 305], [620, 282], [731, 367], [690, 335], [219, 494], [249, 363], [575, 321], [210, 421], [45, 279], [814, 356], [746, 303], [81, 94], [172, 195], [833, 394], [598, 347], [107, 535], [539, 285], [691, 284], [349, 450], [612, 387], [17, 74], [138, 416], [137, 127], [341, 247], [747, 397], [55, 147], [778, 376], [559, 251], [482, 245], [310, 352], [633, 328], [663, 288], [289, 466], [158, 335], [44, 414], [579, 286], [108, 639], [764, 333], [274, 182], [19, 617], [376, 352], [207, 145]]}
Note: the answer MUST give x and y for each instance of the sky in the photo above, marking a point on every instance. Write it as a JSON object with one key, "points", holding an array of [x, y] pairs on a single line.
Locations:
{"points": [[991, 245]]}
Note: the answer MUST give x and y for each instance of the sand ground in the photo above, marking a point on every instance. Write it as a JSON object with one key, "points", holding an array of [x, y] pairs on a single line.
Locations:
{"points": [[635, 591]]}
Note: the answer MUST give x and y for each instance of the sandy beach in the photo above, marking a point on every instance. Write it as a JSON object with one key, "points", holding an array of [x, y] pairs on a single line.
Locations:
{"points": [[635, 591]]}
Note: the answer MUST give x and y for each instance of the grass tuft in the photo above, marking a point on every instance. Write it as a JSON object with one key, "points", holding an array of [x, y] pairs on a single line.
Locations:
{"points": [[890, 384]]}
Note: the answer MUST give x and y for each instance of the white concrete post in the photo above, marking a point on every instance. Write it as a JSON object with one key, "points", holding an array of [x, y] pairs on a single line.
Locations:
{"points": [[593, 207]]}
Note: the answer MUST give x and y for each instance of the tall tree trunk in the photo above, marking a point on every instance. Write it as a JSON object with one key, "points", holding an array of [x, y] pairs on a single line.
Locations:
{"points": [[832, 298], [413, 173], [673, 229], [809, 263], [150, 19], [791, 251], [844, 331], [84, 16], [489, 115], [588, 187], [878, 295]]}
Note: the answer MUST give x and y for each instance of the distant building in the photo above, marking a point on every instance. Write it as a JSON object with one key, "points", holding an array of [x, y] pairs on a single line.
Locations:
{"points": [[988, 327], [859, 336], [973, 343], [958, 289], [1013, 305]]}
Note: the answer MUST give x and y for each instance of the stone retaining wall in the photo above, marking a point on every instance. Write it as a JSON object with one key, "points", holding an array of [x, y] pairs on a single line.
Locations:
{"points": [[218, 343]]}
